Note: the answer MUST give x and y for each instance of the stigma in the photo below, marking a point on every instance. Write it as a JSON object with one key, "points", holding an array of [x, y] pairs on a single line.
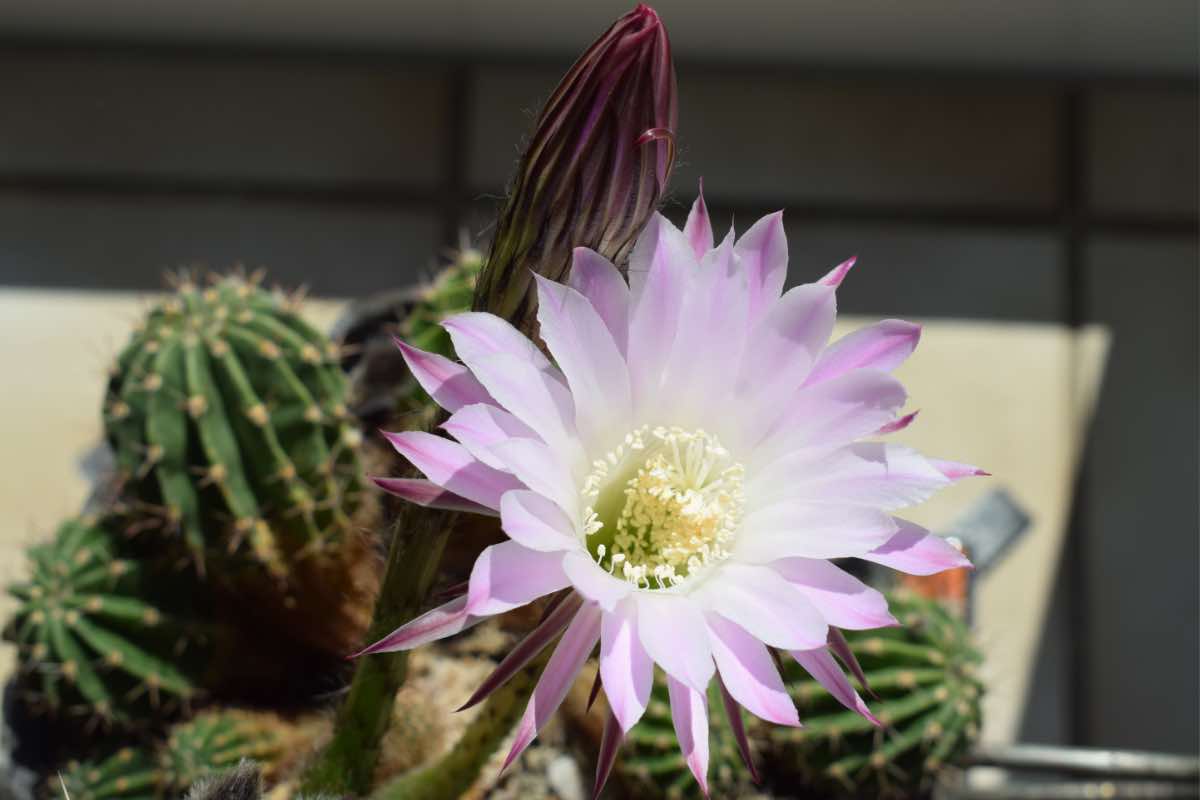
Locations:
{"points": [[663, 505]]}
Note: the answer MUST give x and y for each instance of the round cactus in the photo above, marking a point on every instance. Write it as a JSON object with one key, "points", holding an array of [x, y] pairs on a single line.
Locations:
{"points": [[212, 742], [93, 637], [925, 678], [650, 761], [227, 414]]}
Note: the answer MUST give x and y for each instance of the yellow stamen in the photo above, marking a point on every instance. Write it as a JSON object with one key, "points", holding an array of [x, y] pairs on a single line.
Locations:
{"points": [[663, 504]]}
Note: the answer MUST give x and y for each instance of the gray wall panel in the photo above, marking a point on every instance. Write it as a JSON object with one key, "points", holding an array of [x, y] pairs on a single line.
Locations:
{"points": [[1142, 538], [119, 243], [293, 119]]}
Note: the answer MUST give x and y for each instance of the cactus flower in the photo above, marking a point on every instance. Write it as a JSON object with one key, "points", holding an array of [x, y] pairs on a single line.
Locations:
{"points": [[595, 167], [677, 478]]}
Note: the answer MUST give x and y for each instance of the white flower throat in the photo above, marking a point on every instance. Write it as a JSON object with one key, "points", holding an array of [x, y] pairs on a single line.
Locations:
{"points": [[661, 505]]}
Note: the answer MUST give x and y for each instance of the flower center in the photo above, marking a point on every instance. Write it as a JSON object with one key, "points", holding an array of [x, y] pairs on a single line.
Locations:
{"points": [[661, 505]]}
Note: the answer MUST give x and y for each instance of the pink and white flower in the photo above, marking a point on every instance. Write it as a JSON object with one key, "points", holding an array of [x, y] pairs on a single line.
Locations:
{"points": [[679, 476]]}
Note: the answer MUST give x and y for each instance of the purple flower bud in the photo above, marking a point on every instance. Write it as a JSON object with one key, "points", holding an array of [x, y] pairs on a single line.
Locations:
{"points": [[595, 168]]}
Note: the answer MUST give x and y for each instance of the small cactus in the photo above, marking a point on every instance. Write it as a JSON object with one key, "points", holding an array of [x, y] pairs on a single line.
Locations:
{"points": [[227, 414], [925, 676], [204, 746], [650, 761], [92, 637]]}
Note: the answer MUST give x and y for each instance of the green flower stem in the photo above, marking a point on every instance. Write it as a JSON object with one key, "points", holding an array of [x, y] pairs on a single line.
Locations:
{"points": [[347, 764], [450, 776]]}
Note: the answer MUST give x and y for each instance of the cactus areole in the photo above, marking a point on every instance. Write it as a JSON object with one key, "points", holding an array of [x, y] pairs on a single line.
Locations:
{"points": [[227, 415]]}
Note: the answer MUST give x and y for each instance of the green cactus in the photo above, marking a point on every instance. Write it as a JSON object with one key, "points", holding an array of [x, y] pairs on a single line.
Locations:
{"points": [[208, 744], [450, 292], [925, 676], [93, 637], [227, 415], [650, 761]]}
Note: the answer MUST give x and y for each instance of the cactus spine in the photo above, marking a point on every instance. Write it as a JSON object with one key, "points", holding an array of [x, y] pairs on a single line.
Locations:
{"points": [[91, 635], [226, 412], [925, 674]]}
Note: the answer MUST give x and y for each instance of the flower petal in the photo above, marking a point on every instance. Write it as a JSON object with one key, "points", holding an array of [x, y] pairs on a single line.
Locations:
{"points": [[451, 385], [672, 629], [820, 664], [610, 743], [766, 606], [748, 672], [698, 228], [564, 665], [843, 600], [660, 267], [780, 352], [593, 582], [868, 474], [478, 427], [429, 494], [438, 623], [834, 412], [689, 713], [539, 468], [536, 522], [916, 551], [508, 575], [594, 276], [799, 529], [536, 398], [733, 713], [956, 471], [586, 353], [527, 648], [478, 336], [448, 464], [838, 274], [882, 346], [625, 666], [763, 254]]}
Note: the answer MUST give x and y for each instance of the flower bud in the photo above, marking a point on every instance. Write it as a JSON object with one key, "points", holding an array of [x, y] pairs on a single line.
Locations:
{"points": [[595, 168]]}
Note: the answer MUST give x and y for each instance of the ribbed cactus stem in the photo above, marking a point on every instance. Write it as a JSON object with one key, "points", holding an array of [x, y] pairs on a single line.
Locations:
{"points": [[92, 639], [347, 764], [928, 692], [452, 775]]}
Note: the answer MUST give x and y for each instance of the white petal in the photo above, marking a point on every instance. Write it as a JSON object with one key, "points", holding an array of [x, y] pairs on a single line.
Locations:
{"points": [[749, 672], [591, 581], [767, 606], [625, 666], [594, 276], [673, 631], [536, 522], [586, 353], [796, 528], [478, 427], [509, 575], [843, 600]]}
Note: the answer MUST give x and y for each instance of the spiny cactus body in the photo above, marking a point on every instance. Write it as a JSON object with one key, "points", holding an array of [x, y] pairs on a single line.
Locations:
{"points": [[227, 413], [208, 744], [925, 676], [92, 634], [650, 761]]}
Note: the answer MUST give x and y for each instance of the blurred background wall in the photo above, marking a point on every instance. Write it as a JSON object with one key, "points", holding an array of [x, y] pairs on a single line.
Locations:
{"points": [[1032, 160]]}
